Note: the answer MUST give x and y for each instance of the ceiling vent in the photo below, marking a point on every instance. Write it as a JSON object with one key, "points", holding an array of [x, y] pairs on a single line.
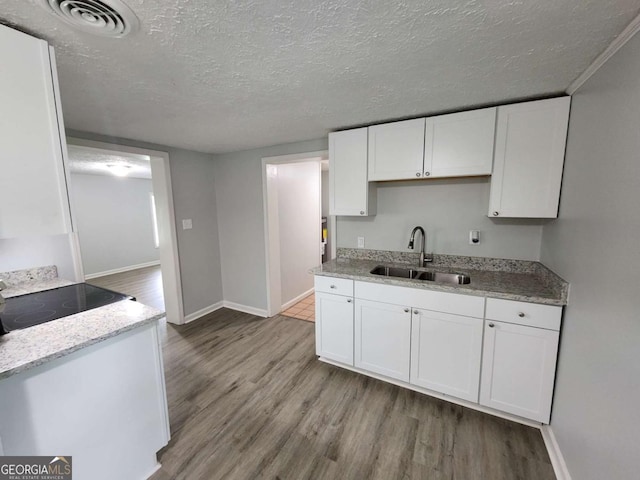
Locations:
{"points": [[108, 18]]}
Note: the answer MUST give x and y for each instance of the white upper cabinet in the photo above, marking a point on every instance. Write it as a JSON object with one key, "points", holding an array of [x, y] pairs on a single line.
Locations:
{"points": [[460, 144], [455, 145], [529, 156], [396, 150], [33, 191], [349, 190]]}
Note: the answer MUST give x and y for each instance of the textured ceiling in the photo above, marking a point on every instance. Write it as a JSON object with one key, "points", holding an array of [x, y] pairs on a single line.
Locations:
{"points": [[95, 161], [219, 76]]}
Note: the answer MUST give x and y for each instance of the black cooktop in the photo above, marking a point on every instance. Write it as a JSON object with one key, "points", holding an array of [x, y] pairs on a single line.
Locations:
{"points": [[35, 308]]}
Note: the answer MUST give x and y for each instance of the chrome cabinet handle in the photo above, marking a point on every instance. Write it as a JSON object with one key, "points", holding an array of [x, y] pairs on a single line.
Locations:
{"points": [[417, 174], [426, 174], [406, 310], [495, 214], [492, 325], [349, 300], [332, 286], [416, 312], [521, 314], [361, 212]]}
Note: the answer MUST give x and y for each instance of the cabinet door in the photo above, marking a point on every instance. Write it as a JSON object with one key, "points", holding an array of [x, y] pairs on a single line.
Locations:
{"points": [[348, 184], [460, 144], [32, 184], [529, 156], [518, 369], [396, 150], [334, 327], [383, 338], [446, 353]]}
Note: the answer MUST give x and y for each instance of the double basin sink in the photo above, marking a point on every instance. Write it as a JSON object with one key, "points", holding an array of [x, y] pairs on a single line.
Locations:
{"points": [[440, 277]]}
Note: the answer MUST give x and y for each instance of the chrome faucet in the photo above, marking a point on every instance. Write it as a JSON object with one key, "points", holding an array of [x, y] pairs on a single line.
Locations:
{"points": [[424, 258]]}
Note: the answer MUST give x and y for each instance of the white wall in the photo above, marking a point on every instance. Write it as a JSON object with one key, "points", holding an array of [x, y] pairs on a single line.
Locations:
{"points": [[447, 210], [38, 251], [325, 209], [594, 246], [299, 221], [238, 188], [193, 197], [113, 220]]}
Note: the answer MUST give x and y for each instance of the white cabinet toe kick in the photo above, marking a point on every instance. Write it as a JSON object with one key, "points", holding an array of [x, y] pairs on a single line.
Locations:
{"points": [[496, 356]]}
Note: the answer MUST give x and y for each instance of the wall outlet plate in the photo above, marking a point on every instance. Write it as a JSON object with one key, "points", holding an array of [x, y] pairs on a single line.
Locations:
{"points": [[360, 242], [474, 237], [187, 224]]}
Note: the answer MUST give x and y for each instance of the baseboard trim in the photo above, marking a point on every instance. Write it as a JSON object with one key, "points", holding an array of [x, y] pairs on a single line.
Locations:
{"points": [[155, 469], [121, 270], [557, 460], [297, 299], [203, 311], [260, 312]]}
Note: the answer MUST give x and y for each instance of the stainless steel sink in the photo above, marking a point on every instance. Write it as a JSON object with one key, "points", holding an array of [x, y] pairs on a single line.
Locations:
{"points": [[455, 278], [395, 272], [439, 277]]}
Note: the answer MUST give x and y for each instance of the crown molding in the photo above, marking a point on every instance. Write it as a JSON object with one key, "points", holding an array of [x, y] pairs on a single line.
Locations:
{"points": [[601, 59]]}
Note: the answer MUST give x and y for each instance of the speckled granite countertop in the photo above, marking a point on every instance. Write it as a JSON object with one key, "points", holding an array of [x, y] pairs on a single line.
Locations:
{"points": [[507, 279], [21, 350]]}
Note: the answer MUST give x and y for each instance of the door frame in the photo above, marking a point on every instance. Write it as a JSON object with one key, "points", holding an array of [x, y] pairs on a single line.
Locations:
{"points": [[163, 193], [271, 233]]}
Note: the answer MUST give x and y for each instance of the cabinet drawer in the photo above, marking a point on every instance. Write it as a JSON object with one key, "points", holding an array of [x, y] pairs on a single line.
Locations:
{"points": [[522, 313], [338, 286], [467, 305]]}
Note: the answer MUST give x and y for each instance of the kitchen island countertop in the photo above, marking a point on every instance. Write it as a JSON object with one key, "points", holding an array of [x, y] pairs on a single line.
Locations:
{"points": [[22, 350]]}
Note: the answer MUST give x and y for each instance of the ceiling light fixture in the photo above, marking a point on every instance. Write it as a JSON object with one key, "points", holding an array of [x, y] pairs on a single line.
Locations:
{"points": [[107, 18], [119, 170]]}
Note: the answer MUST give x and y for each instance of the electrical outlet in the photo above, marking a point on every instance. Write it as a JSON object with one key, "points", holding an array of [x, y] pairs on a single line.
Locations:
{"points": [[187, 224], [474, 237], [360, 242]]}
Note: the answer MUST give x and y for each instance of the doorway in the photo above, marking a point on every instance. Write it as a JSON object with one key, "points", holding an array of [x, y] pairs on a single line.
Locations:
{"points": [[122, 207], [293, 226]]}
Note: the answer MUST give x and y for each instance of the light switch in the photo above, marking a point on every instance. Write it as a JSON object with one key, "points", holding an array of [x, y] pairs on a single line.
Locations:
{"points": [[360, 242], [187, 224]]}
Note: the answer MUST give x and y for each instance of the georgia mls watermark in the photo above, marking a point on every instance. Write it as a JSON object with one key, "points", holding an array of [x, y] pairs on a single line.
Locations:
{"points": [[35, 468]]}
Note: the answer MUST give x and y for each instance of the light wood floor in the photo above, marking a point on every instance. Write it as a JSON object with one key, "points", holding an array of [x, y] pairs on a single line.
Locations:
{"points": [[248, 399], [144, 283]]}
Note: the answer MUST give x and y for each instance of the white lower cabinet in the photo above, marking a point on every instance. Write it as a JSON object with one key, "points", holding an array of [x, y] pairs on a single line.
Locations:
{"points": [[438, 342], [383, 338], [334, 327], [518, 369], [446, 353]]}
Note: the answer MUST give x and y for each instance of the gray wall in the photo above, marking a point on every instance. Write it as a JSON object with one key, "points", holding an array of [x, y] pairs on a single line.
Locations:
{"points": [[447, 209], [238, 187], [593, 245], [113, 221], [192, 176], [193, 197]]}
